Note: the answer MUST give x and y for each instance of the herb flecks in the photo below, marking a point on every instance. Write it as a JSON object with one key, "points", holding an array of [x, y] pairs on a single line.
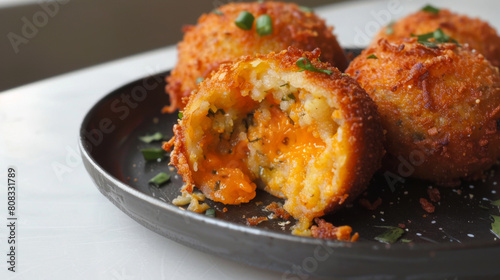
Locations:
{"points": [[210, 212], [151, 138], [244, 20], [431, 9], [217, 12], [151, 154], [432, 39], [495, 225], [160, 179], [305, 64], [306, 9], [180, 115], [391, 235], [390, 28], [372, 56], [264, 25]]}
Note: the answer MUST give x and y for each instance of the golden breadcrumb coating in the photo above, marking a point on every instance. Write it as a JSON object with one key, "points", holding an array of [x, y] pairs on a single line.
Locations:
{"points": [[478, 34], [440, 107], [311, 138], [216, 39]]}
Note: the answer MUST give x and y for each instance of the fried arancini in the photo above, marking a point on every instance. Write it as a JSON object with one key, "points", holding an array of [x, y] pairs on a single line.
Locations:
{"points": [[311, 138], [216, 39], [440, 107], [478, 34]]}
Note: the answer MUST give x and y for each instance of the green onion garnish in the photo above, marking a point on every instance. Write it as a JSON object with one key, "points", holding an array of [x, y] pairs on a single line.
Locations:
{"points": [[160, 179], [390, 28], [199, 80], [285, 85], [217, 12], [150, 138], [306, 9], [495, 203], [264, 25], [244, 20], [210, 212], [305, 64], [150, 154], [438, 36], [372, 56], [495, 226], [431, 9], [391, 235], [180, 115]]}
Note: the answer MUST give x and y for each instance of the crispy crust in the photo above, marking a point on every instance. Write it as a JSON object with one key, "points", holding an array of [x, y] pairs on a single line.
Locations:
{"points": [[440, 107], [478, 34], [360, 142], [216, 40]]}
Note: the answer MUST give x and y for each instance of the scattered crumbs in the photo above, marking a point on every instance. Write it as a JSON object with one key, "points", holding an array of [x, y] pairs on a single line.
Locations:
{"points": [[128, 178], [471, 187], [493, 191], [391, 203], [470, 235], [485, 199], [369, 205], [459, 192], [441, 228], [243, 216], [373, 216], [176, 176], [382, 212], [433, 221], [278, 211], [156, 120], [434, 194], [258, 203], [134, 165], [255, 220], [224, 210], [171, 168], [427, 206], [401, 225], [471, 196], [406, 229], [382, 219], [419, 234], [495, 183], [405, 193], [135, 179], [327, 230]]}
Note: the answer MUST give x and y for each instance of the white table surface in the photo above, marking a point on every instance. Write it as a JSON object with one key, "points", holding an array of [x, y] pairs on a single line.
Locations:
{"points": [[66, 229]]}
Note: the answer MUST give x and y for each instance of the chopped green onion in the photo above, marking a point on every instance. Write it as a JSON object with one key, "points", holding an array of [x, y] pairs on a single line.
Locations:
{"points": [[495, 203], [150, 154], [405, 240], [217, 12], [150, 138], [286, 84], [439, 37], [210, 212], [180, 115], [160, 179], [305, 64], [391, 235], [431, 9], [264, 25], [244, 20], [372, 56], [390, 28], [199, 80], [495, 226], [306, 9]]}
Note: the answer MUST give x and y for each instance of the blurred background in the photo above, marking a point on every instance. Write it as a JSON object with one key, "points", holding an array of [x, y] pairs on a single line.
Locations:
{"points": [[44, 38]]}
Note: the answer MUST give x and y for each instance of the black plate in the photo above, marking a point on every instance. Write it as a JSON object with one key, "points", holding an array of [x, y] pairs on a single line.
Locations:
{"points": [[455, 240]]}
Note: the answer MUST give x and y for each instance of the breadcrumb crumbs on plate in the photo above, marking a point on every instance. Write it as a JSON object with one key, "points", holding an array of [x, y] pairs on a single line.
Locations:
{"points": [[427, 206], [256, 220], [326, 230], [369, 205], [434, 194], [278, 211]]}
